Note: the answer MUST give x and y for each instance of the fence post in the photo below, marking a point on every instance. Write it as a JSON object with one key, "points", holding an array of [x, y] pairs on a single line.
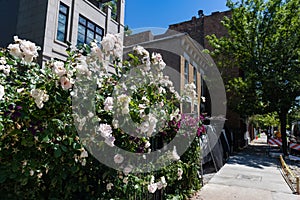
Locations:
{"points": [[298, 186]]}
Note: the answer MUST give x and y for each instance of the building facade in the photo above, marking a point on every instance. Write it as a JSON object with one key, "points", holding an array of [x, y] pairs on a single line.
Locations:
{"points": [[185, 60], [53, 24], [198, 28]]}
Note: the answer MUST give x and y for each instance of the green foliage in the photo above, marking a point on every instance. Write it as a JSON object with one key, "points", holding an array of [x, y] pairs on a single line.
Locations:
{"points": [[113, 5], [41, 155], [265, 121], [263, 42]]}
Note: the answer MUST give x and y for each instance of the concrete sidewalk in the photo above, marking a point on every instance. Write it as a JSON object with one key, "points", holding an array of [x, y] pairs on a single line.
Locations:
{"points": [[249, 175]]}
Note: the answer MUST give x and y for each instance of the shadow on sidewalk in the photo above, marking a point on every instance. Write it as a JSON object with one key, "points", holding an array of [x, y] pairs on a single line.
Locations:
{"points": [[255, 156]]}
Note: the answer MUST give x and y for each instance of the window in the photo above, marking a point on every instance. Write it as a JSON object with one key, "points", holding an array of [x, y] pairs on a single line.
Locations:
{"points": [[195, 76], [62, 23], [88, 31], [186, 72]]}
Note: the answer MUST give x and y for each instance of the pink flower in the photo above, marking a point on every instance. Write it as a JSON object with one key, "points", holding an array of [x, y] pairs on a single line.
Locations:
{"points": [[152, 187], [65, 83], [118, 159], [201, 130]]}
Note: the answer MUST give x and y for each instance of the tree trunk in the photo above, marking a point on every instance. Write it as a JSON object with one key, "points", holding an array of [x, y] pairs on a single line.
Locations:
{"points": [[283, 118]]}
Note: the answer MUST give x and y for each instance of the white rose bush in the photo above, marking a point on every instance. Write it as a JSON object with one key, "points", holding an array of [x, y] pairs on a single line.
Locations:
{"points": [[47, 148]]}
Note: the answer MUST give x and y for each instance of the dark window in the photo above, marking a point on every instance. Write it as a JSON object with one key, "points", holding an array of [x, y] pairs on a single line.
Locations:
{"points": [[186, 72], [88, 31], [195, 76], [62, 23]]}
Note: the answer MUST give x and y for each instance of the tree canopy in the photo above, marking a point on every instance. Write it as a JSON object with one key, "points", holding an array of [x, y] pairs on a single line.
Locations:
{"points": [[264, 42]]}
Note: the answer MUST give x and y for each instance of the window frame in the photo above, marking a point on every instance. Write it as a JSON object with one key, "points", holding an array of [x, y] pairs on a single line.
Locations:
{"points": [[66, 15], [186, 71], [87, 27], [195, 77]]}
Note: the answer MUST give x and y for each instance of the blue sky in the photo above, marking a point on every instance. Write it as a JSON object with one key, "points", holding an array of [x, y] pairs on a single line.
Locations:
{"points": [[162, 13]]}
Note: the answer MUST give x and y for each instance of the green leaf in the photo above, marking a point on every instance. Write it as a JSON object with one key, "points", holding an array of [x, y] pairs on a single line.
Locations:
{"points": [[57, 152], [64, 148]]}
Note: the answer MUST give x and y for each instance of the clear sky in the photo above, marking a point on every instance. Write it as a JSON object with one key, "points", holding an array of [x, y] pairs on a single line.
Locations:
{"points": [[162, 13]]}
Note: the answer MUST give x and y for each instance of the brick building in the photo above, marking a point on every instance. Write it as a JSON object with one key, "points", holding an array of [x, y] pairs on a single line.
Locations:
{"points": [[179, 53], [198, 28], [51, 24]]}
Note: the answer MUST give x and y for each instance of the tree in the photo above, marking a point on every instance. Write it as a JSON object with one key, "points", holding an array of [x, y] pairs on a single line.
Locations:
{"points": [[113, 5], [263, 41]]}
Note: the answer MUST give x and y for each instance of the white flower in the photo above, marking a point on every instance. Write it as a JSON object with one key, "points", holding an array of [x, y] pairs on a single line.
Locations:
{"points": [[5, 69], [65, 83], [29, 50], [96, 51], [84, 154], [90, 115], [31, 172], [2, 92], [108, 42], [152, 179], [83, 162], [125, 110], [125, 180], [152, 187], [161, 65], [147, 144], [123, 99], [83, 69], [189, 90], [161, 90], [23, 49], [141, 51], [58, 68], [108, 104], [156, 57], [110, 141], [14, 50], [127, 169], [115, 123], [179, 173], [175, 155], [174, 114], [81, 122], [162, 183], [39, 175], [118, 158], [144, 127], [39, 96], [118, 50], [2, 61], [105, 130], [109, 186]]}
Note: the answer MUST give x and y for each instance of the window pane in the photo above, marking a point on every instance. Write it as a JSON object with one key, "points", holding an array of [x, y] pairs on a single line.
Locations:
{"points": [[99, 30], [91, 25], [82, 20], [90, 34], [89, 40], [62, 23], [61, 27], [98, 38], [81, 29], [80, 38], [63, 9], [60, 36], [62, 18]]}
